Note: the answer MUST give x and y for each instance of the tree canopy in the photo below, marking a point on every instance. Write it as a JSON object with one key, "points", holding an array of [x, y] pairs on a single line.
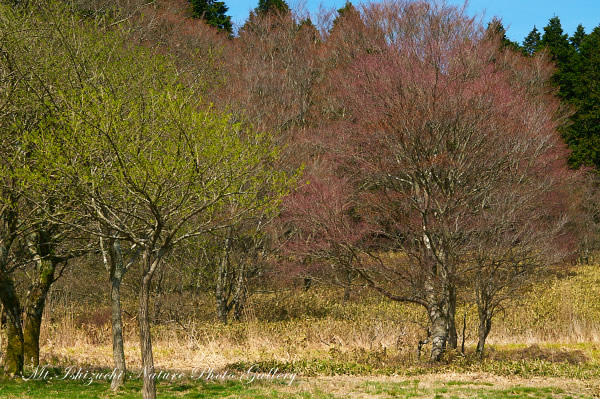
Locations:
{"points": [[214, 12], [265, 6]]}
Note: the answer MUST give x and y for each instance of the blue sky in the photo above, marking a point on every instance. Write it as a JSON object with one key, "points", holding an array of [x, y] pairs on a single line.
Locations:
{"points": [[518, 16]]}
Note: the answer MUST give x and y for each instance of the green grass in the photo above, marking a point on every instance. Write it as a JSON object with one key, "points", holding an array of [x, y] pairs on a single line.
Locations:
{"points": [[460, 389], [306, 389], [405, 389], [502, 367], [188, 389]]}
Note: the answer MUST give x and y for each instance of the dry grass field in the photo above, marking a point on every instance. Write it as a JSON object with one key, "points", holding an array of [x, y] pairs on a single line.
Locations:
{"points": [[547, 342]]}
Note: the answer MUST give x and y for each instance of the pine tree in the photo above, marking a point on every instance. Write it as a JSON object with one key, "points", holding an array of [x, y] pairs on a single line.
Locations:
{"points": [[265, 6], [583, 136], [565, 56], [531, 44], [578, 37], [495, 27], [556, 41], [307, 27], [346, 12], [277, 12], [214, 13], [348, 8]]}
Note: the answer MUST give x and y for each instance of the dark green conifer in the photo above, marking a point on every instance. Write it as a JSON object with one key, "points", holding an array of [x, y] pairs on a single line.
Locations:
{"points": [[214, 13], [265, 6], [531, 44]]}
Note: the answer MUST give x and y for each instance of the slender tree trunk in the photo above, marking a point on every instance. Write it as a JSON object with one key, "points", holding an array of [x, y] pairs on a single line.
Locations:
{"points": [[241, 292], [117, 334], [149, 387], [222, 306], [158, 296], [149, 267], [485, 313], [13, 361], [116, 274], [221, 295], [464, 332], [34, 310], [452, 334], [485, 325]]}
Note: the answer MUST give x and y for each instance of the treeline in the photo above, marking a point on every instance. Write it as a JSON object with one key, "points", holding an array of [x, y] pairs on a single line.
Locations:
{"points": [[576, 77], [399, 145]]}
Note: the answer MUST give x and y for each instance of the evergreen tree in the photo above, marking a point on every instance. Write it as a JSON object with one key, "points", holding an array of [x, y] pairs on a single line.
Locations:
{"points": [[308, 28], [346, 13], [578, 37], [557, 42], [214, 13], [531, 44], [265, 6], [565, 56], [264, 12], [495, 27], [583, 136], [348, 8]]}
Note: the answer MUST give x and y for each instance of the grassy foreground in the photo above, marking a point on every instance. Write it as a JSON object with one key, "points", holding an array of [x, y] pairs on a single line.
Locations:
{"points": [[545, 344], [453, 386]]}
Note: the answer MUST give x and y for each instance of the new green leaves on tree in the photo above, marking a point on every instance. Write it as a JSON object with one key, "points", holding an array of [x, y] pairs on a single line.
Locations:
{"points": [[31, 207], [149, 163]]}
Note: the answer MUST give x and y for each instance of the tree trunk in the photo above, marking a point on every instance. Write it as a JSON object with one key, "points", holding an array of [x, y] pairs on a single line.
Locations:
{"points": [[241, 293], [149, 387], [31, 340], [222, 306], [221, 295], [439, 332], [485, 325], [34, 310], [116, 273], [464, 332], [158, 296], [13, 361], [438, 294], [1, 327], [117, 334], [149, 384], [485, 313], [439, 309], [452, 334]]}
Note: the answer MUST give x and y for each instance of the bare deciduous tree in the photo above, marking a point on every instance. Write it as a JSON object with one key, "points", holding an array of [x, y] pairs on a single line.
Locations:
{"points": [[438, 126]]}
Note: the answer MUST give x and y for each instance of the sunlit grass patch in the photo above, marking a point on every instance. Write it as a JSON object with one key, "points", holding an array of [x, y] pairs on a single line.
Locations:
{"points": [[308, 388]]}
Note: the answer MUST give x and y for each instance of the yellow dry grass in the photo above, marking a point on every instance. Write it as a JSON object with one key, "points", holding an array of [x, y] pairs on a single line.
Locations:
{"points": [[563, 312]]}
